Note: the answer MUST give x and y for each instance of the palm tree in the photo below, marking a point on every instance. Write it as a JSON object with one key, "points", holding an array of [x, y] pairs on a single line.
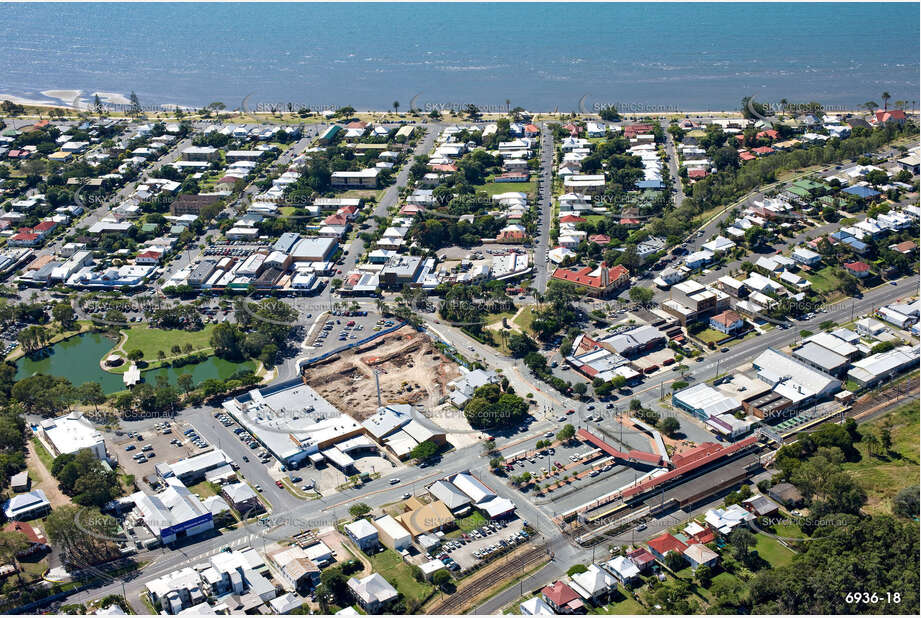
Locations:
{"points": [[885, 96], [871, 106], [396, 106], [872, 443], [783, 107], [507, 103]]}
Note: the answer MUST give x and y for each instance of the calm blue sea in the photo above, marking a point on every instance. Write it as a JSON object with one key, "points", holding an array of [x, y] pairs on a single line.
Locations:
{"points": [[539, 56]]}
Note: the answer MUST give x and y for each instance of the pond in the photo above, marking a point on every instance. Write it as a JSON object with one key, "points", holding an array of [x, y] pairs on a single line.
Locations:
{"points": [[77, 359]]}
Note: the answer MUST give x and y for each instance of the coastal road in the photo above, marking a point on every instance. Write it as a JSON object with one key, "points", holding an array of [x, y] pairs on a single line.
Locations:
{"points": [[545, 205]]}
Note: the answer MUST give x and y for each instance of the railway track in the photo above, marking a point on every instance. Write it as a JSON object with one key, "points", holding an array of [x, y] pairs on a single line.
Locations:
{"points": [[458, 602]]}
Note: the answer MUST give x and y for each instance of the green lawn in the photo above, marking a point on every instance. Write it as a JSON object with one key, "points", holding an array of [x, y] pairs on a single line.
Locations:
{"points": [[494, 188], [524, 319], [43, 454], [823, 280], [623, 605], [391, 566], [472, 521], [205, 489], [771, 550], [711, 334], [152, 340], [882, 476]]}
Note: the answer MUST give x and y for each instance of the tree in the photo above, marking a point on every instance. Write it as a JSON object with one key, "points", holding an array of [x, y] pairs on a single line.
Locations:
{"points": [[905, 503], [396, 107], [11, 544], [580, 388], [704, 575], [885, 439], [576, 569], [359, 509], [64, 314], [641, 295], [185, 382], [675, 561], [742, 540], [521, 345], [90, 394], [885, 97], [83, 536], [134, 108], [669, 425], [136, 354], [424, 450], [97, 105], [441, 578], [566, 433]]}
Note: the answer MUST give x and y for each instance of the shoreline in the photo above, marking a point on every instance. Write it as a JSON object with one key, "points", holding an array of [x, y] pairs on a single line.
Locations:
{"points": [[230, 114], [81, 103]]}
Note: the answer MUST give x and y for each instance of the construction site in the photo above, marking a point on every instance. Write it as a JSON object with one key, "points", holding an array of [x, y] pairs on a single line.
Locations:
{"points": [[405, 364]]}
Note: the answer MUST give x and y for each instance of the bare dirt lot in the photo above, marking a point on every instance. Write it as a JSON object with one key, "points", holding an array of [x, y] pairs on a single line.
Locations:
{"points": [[411, 370]]}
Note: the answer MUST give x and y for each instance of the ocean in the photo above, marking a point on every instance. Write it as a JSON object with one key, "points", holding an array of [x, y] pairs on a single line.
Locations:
{"points": [[542, 57]]}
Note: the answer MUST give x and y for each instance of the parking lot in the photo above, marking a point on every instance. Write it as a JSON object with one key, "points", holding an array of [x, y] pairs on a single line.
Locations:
{"points": [[345, 328], [482, 544], [138, 452]]}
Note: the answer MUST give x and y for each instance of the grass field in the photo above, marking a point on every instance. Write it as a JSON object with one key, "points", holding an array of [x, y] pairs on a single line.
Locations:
{"points": [[772, 551], [493, 188], [711, 334], [391, 566], [152, 340], [524, 319], [823, 280], [882, 476]]}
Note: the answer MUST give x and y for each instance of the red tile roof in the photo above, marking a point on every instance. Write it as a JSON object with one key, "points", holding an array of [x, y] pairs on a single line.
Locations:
{"points": [[45, 226], [698, 173], [698, 452], [571, 219], [905, 247], [726, 318], [858, 267], [665, 543], [747, 156], [583, 276], [600, 239], [441, 167], [150, 254], [887, 115], [707, 536], [30, 533], [641, 557], [559, 593], [771, 133], [762, 150]]}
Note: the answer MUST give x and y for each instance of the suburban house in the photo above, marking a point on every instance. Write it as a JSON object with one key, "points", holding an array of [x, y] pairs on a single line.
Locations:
{"points": [[727, 322], [562, 598]]}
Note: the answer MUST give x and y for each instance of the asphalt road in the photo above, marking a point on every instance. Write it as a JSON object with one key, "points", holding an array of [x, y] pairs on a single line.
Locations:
{"points": [[389, 199], [545, 204]]}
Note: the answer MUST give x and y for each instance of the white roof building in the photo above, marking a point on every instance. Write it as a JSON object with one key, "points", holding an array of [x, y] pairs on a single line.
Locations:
{"points": [[704, 401], [797, 382], [472, 486], [72, 433], [726, 520], [536, 606]]}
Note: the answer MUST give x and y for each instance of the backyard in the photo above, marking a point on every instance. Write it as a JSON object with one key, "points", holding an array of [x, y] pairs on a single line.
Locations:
{"points": [[824, 280], [391, 566]]}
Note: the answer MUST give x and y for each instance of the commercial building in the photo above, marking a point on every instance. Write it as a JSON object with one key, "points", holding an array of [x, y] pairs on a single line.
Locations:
{"points": [[793, 380], [420, 518], [173, 514], [392, 534], [242, 498], [689, 301], [292, 421], [399, 271], [704, 401], [191, 470], [822, 358], [177, 590], [295, 569], [71, 433], [883, 366]]}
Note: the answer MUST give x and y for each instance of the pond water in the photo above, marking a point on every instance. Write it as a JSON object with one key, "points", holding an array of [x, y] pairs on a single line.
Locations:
{"points": [[77, 359]]}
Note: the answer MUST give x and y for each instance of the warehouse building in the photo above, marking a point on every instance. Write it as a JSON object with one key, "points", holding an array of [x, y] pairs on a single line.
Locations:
{"points": [[173, 514], [823, 359], [790, 379], [704, 401], [883, 366]]}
